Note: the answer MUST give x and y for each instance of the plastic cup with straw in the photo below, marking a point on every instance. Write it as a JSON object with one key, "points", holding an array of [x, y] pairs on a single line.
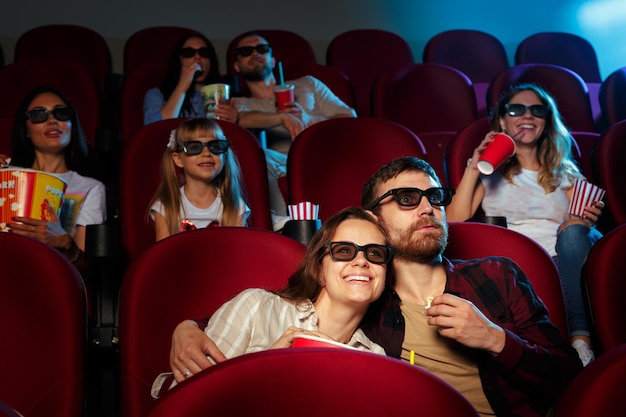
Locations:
{"points": [[283, 93]]}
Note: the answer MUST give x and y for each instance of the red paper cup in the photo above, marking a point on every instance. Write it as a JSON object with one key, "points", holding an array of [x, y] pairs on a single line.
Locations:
{"points": [[284, 94], [584, 194], [309, 341], [501, 148]]}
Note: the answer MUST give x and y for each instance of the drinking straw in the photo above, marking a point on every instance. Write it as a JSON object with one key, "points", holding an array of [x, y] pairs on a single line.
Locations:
{"points": [[412, 357], [280, 73]]}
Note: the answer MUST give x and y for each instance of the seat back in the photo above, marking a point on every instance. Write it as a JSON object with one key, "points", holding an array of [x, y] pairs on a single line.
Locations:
{"points": [[6, 128], [563, 49], [568, 89], [160, 290], [536, 263], [462, 147], [434, 101], [598, 390], [612, 97], [133, 92], [350, 151], [140, 177], [44, 329], [152, 45], [477, 54], [351, 53], [78, 44], [293, 50], [268, 380], [603, 286], [334, 79], [19, 78], [610, 170]]}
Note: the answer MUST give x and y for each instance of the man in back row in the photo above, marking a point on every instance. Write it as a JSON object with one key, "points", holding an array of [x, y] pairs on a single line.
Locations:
{"points": [[314, 102], [477, 324]]}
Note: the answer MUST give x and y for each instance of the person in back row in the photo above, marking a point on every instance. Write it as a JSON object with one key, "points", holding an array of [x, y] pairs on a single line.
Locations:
{"points": [[314, 102], [477, 324], [533, 190]]}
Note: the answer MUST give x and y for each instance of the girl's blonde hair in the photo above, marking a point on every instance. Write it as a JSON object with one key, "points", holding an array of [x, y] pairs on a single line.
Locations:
{"points": [[228, 182], [554, 150]]}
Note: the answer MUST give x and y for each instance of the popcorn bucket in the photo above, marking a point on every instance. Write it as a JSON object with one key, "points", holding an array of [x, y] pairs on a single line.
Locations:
{"points": [[25, 192]]}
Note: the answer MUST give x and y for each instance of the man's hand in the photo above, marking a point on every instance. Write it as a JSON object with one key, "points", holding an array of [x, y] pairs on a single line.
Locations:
{"points": [[293, 124], [190, 348], [460, 320]]}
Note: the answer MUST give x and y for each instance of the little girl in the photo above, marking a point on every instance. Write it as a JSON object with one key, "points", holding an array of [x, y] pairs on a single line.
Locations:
{"points": [[212, 193]]}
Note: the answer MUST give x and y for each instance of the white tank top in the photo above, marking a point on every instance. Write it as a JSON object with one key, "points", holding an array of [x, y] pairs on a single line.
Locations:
{"points": [[526, 206]]}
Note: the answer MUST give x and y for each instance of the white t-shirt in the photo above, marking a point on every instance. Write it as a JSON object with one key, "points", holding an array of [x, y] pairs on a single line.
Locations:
{"points": [[526, 206], [200, 217], [84, 202]]}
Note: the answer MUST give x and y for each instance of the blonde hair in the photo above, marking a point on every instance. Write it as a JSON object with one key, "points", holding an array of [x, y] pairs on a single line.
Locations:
{"points": [[228, 182], [554, 150]]}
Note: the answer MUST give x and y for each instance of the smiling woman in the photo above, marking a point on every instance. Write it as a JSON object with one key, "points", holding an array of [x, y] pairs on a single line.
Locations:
{"points": [[344, 270], [47, 136]]}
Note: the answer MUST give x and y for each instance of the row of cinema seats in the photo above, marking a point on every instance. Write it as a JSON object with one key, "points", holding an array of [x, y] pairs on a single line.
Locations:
{"points": [[479, 55], [433, 101], [44, 322]]}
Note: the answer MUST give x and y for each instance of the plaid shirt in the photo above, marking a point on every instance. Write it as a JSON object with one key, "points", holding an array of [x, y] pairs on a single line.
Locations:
{"points": [[536, 365]]}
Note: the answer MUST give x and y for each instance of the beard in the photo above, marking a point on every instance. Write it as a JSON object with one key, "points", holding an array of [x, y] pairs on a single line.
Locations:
{"points": [[423, 248], [258, 73]]}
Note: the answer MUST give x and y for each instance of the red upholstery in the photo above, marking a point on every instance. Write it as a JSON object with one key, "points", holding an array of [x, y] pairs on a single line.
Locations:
{"points": [[434, 101], [598, 390], [329, 162], [134, 89], [6, 127], [152, 45], [610, 169], [139, 179], [567, 87], [314, 382], [351, 53], [613, 97], [563, 49], [477, 240], [477, 54], [72, 79], [7, 411], [189, 275], [78, 44], [604, 286], [290, 48], [462, 146], [334, 79], [43, 324]]}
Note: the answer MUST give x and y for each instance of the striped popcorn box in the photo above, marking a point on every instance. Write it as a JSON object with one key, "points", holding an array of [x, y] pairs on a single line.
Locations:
{"points": [[304, 210], [584, 195]]}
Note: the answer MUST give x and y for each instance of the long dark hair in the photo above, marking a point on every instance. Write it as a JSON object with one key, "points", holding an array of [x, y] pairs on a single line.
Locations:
{"points": [[173, 72], [22, 148]]}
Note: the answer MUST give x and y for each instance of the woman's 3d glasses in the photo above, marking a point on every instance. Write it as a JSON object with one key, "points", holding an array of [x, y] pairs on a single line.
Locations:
{"points": [[347, 251], [204, 52], [62, 114], [518, 110]]}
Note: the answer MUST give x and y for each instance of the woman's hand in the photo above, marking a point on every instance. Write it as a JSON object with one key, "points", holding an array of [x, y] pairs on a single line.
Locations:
{"points": [[187, 74], [5, 160], [227, 111], [593, 213], [49, 231], [473, 163], [286, 340]]}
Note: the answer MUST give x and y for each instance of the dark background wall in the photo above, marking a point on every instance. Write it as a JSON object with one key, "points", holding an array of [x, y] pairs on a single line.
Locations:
{"points": [[602, 22]]}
